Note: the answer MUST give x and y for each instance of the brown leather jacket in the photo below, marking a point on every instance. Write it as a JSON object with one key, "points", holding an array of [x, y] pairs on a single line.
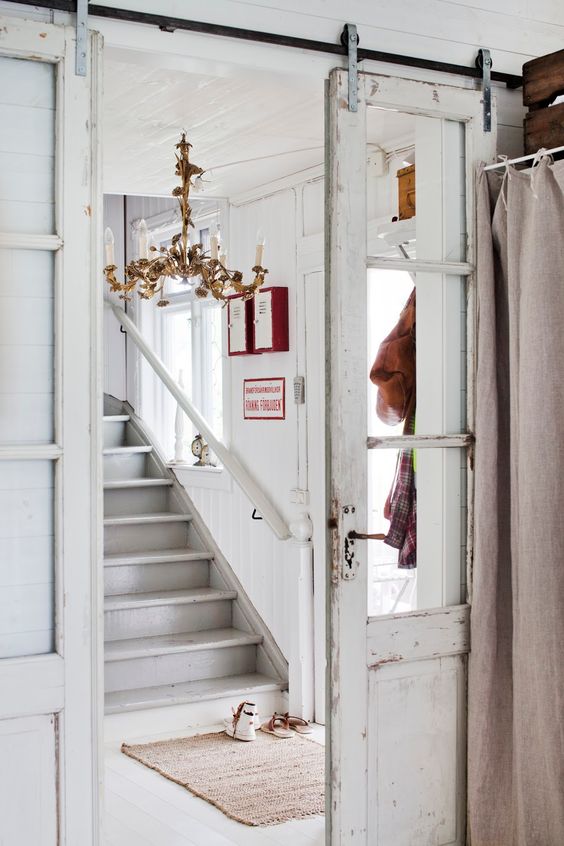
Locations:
{"points": [[393, 371]]}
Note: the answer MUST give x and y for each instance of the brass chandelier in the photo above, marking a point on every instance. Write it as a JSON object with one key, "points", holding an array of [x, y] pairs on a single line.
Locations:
{"points": [[182, 259]]}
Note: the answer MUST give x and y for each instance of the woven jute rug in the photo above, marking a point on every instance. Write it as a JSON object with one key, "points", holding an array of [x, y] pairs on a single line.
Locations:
{"points": [[266, 781]]}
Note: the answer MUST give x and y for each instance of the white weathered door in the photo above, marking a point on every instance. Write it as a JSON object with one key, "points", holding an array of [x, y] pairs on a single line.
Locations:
{"points": [[397, 680], [48, 449]]}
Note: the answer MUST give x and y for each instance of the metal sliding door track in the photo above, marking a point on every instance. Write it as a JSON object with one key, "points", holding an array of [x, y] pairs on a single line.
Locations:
{"points": [[169, 24]]}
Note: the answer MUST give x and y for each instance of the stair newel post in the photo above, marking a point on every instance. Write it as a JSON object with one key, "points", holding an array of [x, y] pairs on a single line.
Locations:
{"points": [[179, 426], [301, 663]]}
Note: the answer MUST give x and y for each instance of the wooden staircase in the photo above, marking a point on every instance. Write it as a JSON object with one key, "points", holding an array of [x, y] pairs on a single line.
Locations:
{"points": [[179, 629]]}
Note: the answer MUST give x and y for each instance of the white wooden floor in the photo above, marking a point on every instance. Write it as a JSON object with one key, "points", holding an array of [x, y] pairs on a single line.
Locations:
{"points": [[142, 808]]}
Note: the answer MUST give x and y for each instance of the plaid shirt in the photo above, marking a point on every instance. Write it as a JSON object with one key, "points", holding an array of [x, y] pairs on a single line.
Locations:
{"points": [[401, 509]]}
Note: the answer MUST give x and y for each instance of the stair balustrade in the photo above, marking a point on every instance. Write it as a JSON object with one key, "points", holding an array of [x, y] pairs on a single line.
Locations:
{"points": [[230, 462]]}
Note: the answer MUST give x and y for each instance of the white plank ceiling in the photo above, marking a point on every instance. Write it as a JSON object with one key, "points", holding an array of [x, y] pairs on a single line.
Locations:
{"points": [[246, 129], [267, 130]]}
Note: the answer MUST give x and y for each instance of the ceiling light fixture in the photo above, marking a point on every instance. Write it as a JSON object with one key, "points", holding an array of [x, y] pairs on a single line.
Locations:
{"points": [[182, 259]]}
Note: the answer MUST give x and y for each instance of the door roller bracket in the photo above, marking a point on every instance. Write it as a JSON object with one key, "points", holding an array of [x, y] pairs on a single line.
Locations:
{"points": [[81, 37], [484, 63], [349, 39]]}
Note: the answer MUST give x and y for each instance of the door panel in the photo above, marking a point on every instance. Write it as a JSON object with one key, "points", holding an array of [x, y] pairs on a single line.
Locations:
{"points": [[28, 778], [49, 501], [397, 680], [416, 734]]}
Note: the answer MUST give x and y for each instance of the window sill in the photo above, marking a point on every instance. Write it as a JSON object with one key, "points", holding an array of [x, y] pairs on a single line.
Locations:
{"points": [[191, 476]]}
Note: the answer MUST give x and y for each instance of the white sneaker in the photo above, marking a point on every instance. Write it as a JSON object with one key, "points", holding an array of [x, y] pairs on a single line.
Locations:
{"points": [[242, 724]]}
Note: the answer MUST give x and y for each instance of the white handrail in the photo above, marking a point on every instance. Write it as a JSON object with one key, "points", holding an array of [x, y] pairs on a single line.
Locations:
{"points": [[229, 461]]}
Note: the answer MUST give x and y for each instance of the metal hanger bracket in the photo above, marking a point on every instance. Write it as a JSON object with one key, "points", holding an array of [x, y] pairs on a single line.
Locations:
{"points": [[81, 36], [484, 62], [349, 39]]}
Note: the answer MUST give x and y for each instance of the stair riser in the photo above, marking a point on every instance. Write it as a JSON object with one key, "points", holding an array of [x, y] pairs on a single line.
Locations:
{"points": [[167, 619], [125, 466], [123, 724], [142, 578], [145, 536], [114, 433], [135, 501], [181, 667]]}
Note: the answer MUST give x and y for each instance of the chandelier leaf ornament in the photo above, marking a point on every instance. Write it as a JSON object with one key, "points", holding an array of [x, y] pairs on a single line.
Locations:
{"points": [[182, 259]]}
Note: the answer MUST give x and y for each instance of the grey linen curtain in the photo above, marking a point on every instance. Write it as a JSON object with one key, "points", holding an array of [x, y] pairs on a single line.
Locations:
{"points": [[516, 670]]}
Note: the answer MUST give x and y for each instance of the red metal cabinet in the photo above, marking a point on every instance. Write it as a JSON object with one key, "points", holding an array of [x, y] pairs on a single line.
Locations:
{"points": [[239, 325], [270, 320]]}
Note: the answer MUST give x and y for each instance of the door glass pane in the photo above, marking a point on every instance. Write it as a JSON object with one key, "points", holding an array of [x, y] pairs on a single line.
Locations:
{"points": [[417, 506], [416, 194], [26, 346], [26, 558], [416, 353], [27, 146], [416, 360]]}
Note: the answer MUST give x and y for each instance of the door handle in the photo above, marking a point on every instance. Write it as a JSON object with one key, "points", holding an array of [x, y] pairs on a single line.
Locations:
{"points": [[352, 535]]}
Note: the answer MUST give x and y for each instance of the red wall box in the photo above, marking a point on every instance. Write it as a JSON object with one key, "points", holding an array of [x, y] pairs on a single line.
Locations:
{"points": [[239, 325], [270, 320]]}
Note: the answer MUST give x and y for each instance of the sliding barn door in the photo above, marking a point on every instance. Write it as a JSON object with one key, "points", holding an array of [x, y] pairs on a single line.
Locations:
{"points": [[48, 450], [399, 618]]}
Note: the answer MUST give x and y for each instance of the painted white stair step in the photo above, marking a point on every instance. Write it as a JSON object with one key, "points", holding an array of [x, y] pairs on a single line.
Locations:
{"points": [[145, 532], [131, 449], [186, 656], [137, 500], [119, 484], [144, 647], [145, 577], [144, 519], [114, 430], [155, 556], [235, 687], [125, 464], [167, 612], [178, 668], [166, 597]]}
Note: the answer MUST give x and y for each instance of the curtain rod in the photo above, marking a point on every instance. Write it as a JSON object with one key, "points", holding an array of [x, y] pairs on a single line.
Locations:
{"points": [[169, 24], [506, 163]]}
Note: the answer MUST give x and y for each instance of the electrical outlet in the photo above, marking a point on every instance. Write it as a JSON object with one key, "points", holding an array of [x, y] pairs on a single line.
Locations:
{"points": [[299, 496]]}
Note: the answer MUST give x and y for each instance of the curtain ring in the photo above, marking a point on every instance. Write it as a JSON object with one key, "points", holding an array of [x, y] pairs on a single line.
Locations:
{"points": [[537, 158], [506, 177]]}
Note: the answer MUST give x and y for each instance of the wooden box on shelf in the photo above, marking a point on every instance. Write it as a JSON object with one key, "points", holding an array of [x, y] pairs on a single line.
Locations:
{"points": [[543, 81], [406, 192]]}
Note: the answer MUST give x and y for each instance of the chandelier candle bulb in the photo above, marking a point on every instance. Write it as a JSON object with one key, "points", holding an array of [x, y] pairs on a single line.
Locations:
{"points": [[182, 259], [259, 254], [109, 246], [143, 240]]}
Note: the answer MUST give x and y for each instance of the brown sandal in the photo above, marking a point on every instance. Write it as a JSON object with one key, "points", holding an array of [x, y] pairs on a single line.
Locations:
{"points": [[299, 725], [278, 726]]}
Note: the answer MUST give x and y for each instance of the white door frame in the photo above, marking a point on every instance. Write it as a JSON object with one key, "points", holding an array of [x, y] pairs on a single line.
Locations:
{"points": [[358, 648], [63, 686]]}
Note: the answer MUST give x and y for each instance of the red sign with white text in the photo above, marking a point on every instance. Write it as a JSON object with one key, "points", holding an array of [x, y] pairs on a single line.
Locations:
{"points": [[264, 399]]}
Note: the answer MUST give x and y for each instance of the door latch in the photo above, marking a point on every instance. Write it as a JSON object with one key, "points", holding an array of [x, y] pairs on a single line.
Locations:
{"points": [[350, 562]]}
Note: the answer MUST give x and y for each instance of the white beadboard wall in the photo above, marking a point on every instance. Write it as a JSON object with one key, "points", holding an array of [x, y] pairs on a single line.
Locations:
{"points": [[259, 559], [272, 449]]}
